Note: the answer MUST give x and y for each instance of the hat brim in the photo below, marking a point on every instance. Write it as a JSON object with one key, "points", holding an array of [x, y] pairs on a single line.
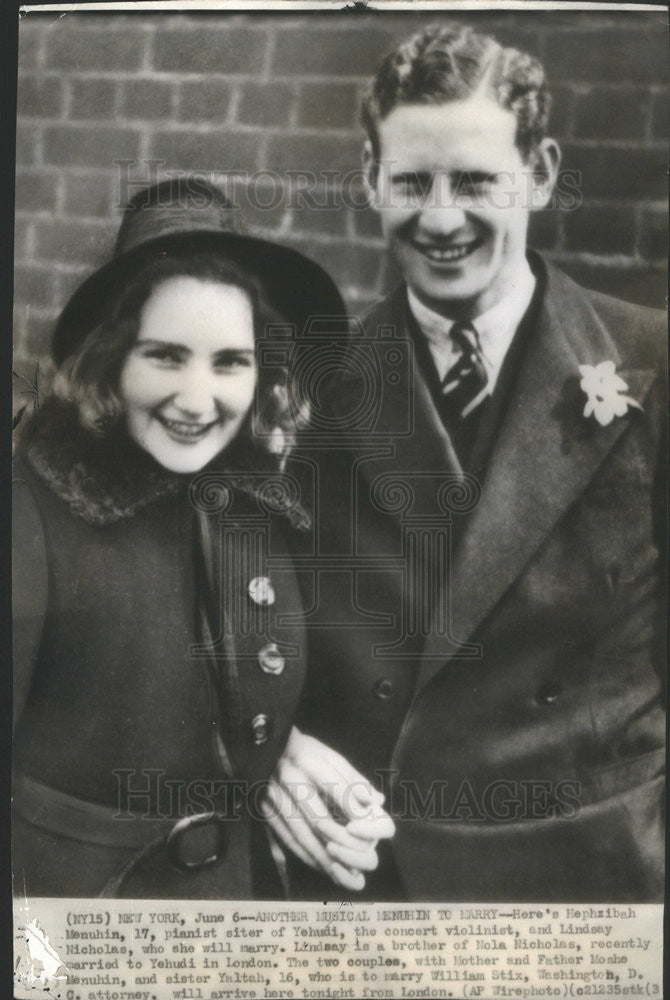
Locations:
{"points": [[295, 285]]}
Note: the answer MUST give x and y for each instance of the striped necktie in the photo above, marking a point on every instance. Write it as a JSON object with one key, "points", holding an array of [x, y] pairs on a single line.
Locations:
{"points": [[464, 385]]}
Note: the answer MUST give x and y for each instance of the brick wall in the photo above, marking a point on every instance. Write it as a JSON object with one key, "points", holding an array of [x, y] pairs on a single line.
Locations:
{"points": [[267, 95]]}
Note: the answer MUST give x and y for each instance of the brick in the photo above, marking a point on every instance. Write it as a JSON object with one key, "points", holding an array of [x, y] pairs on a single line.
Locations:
{"points": [[265, 104], [87, 195], [354, 191], [308, 191], [31, 33], [328, 105], [74, 242], [199, 50], [204, 152], [366, 223], [314, 154], [21, 237], [618, 173], [36, 192], [660, 117], [327, 221], [39, 97], [653, 243], [69, 281], [34, 285], [27, 137], [146, 99], [646, 286], [609, 55], [208, 100], [611, 114], [92, 99], [543, 230], [74, 47], [89, 147], [350, 266], [335, 53], [622, 21], [264, 205], [510, 35], [33, 335], [608, 229], [560, 117]]}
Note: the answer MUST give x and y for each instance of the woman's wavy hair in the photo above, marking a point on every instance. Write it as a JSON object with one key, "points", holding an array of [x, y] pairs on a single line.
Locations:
{"points": [[451, 62], [89, 378]]}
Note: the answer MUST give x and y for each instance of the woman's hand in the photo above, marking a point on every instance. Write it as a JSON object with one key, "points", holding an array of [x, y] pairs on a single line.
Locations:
{"points": [[325, 812]]}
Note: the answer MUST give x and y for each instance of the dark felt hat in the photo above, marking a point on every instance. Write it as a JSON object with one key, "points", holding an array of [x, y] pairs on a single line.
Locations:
{"points": [[187, 216]]}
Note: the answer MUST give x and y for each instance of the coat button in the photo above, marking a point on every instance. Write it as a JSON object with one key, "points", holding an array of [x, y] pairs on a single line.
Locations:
{"points": [[261, 727], [549, 693], [261, 590], [383, 689], [271, 659]]}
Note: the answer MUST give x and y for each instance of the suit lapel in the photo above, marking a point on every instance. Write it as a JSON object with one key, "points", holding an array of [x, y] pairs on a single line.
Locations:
{"points": [[425, 445], [545, 455]]}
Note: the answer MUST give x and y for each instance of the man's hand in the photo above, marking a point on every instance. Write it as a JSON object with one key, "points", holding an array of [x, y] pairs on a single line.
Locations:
{"points": [[325, 812]]}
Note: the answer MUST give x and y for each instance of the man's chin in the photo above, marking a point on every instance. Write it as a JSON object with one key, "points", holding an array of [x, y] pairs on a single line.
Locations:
{"points": [[451, 293]]}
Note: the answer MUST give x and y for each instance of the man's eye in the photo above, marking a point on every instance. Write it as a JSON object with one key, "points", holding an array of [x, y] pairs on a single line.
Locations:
{"points": [[472, 183], [415, 184]]}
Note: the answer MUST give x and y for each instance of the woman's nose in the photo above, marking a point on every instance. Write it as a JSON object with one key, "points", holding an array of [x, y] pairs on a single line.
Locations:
{"points": [[195, 395]]}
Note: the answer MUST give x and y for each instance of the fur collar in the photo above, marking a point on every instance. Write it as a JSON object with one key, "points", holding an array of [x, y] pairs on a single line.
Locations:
{"points": [[106, 479]]}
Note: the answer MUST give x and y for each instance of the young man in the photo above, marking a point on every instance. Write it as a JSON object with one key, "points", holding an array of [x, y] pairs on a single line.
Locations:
{"points": [[493, 661]]}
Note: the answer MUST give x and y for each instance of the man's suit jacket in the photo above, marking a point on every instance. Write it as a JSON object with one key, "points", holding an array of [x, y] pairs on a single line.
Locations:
{"points": [[494, 644]]}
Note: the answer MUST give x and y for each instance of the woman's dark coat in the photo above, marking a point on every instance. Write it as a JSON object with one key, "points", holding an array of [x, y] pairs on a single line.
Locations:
{"points": [[120, 711]]}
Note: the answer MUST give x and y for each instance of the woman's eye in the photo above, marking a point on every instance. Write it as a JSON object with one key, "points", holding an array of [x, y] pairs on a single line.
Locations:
{"points": [[228, 364], [163, 356]]}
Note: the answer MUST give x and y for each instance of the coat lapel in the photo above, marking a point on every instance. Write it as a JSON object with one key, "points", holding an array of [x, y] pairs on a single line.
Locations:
{"points": [[423, 445], [545, 455]]}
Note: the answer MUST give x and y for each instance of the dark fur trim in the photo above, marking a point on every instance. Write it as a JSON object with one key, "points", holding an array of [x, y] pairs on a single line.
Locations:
{"points": [[108, 478]]}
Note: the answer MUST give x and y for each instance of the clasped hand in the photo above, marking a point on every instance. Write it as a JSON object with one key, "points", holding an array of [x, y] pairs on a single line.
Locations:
{"points": [[324, 811]]}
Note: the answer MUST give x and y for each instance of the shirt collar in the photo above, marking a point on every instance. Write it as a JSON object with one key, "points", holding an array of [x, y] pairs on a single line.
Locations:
{"points": [[496, 327]]}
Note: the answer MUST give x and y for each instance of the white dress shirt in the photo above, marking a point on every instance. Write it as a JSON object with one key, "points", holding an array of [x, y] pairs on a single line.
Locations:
{"points": [[495, 327]]}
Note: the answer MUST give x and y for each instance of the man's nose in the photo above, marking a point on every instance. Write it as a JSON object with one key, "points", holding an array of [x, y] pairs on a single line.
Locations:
{"points": [[442, 212]]}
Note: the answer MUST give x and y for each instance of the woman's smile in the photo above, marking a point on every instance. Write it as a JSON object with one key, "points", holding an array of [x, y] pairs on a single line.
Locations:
{"points": [[185, 431]]}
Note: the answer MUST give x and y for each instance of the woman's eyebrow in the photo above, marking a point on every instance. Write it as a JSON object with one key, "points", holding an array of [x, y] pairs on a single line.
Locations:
{"points": [[233, 352], [153, 342]]}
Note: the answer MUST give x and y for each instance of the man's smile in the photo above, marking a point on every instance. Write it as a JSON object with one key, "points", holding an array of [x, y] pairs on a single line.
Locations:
{"points": [[439, 253]]}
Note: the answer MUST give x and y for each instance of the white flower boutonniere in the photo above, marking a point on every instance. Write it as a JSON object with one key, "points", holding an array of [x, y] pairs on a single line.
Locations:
{"points": [[604, 390]]}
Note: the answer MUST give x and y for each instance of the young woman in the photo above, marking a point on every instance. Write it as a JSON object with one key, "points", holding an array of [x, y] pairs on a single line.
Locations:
{"points": [[155, 685]]}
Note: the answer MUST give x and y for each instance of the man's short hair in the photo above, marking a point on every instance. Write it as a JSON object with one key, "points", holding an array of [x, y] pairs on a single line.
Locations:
{"points": [[451, 62]]}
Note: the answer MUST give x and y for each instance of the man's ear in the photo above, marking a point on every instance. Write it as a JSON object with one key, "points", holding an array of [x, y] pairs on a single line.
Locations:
{"points": [[545, 161], [370, 172]]}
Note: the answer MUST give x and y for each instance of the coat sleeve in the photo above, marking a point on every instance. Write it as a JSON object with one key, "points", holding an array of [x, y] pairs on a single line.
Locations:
{"points": [[29, 590]]}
